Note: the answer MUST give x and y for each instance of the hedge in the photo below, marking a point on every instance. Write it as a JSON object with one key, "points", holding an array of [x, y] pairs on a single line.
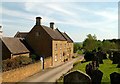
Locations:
{"points": [[16, 62]]}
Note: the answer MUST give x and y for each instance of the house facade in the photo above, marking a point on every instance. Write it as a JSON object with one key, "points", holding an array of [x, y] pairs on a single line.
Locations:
{"points": [[59, 51], [69, 45], [53, 45]]}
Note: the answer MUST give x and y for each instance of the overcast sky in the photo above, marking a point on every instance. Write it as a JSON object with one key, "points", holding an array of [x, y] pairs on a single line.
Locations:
{"points": [[77, 19]]}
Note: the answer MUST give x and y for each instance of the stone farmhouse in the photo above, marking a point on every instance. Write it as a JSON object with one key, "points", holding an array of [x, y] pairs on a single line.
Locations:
{"points": [[49, 43]]}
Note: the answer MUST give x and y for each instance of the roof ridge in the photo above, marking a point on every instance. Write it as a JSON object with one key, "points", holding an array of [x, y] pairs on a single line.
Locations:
{"points": [[14, 45], [53, 33], [68, 36], [61, 33]]}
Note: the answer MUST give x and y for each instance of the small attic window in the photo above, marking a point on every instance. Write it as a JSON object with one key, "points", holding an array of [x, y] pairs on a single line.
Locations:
{"points": [[37, 33]]}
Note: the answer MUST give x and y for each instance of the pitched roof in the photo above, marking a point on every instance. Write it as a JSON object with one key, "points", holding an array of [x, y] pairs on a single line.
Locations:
{"points": [[21, 34], [53, 33], [14, 45], [67, 37]]}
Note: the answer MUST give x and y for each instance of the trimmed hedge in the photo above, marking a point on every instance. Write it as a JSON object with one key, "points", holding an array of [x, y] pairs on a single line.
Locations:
{"points": [[16, 62]]}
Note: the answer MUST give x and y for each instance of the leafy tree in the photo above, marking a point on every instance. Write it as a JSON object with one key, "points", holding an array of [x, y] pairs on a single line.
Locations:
{"points": [[114, 45], [77, 46], [107, 45], [90, 43], [99, 43]]}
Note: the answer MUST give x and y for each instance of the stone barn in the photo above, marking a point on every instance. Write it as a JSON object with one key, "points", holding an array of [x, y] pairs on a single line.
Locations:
{"points": [[12, 47]]}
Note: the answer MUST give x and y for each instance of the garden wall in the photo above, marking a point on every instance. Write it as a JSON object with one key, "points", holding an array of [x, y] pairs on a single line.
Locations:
{"points": [[18, 74], [48, 62], [21, 73]]}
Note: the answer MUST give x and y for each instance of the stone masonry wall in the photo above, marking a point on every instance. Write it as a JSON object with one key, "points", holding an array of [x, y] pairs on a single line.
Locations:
{"points": [[21, 73], [48, 62]]}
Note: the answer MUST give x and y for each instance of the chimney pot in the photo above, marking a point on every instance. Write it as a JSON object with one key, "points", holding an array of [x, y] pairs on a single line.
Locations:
{"points": [[38, 20], [52, 25]]}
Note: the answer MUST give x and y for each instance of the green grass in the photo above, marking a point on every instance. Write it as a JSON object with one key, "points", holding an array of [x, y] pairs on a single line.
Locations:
{"points": [[107, 68]]}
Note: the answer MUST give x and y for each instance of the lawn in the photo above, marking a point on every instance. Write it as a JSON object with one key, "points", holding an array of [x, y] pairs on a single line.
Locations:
{"points": [[107, 68]]}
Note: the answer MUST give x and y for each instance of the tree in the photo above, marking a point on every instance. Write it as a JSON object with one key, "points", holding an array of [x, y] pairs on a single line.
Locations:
{"points": [[77, 46], [90, 43], [107, 45]]}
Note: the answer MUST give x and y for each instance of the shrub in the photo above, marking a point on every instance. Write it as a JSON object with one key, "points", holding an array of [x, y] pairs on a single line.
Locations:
{"points": [[79, 52], [104, 55], [5, 65], [88, 56], [25, 60], [34, 57], [15, 63]]}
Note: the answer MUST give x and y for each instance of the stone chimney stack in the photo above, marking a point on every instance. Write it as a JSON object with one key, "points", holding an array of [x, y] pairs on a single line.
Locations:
{"points": [[38, 21], [52, 25]]}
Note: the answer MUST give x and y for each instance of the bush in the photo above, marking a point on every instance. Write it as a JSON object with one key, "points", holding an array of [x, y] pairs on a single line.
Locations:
{"points": [[34, 57], [104, 55], [88, 56], [5, 65], [79, 52], [25, 60], [15, 63]]}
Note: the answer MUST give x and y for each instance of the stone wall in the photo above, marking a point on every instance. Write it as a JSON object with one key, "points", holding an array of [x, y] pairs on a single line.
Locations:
{"points": [[48, 62], [21, 73]]}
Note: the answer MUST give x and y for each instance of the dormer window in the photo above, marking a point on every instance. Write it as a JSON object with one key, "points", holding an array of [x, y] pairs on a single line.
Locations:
{"points": [[37, 33]]}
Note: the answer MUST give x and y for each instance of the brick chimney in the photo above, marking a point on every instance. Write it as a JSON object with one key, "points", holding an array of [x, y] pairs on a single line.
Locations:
{"points": [[38, 21], [52, 25]]}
